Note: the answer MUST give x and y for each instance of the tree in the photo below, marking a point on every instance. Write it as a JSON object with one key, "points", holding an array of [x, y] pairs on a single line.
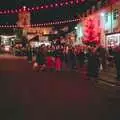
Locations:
{"points": [[91, 35]]}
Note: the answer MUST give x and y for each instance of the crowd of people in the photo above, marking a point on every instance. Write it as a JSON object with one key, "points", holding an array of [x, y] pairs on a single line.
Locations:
{"points": [[62, 58]]}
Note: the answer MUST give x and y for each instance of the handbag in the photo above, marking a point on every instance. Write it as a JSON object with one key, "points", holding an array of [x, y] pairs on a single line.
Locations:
{"points": [[101, 67]]}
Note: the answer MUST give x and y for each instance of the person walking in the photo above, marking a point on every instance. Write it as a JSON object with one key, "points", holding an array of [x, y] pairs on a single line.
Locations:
{"points": [[58, 59], [103, 56], [117, 61], [29, 54], [81, 58], [40, 59], [93, 63]]}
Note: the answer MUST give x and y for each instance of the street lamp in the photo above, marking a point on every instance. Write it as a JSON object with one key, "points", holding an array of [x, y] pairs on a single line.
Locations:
{"points": [[76, 27], [24, 8], [102, 14]]}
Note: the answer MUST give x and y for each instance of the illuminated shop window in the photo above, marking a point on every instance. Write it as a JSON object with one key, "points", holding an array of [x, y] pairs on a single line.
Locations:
{"points": [[115, 14], [110, 22]]}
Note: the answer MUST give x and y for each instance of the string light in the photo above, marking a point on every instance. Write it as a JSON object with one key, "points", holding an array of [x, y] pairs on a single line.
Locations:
{"points": [[36, 8], [43, 24]]}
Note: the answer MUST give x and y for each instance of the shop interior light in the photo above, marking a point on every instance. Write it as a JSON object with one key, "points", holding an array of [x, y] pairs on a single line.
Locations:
{"points": [[102, 14]]}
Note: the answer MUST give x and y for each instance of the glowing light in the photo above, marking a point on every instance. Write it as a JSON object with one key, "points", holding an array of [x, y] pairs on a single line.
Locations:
{"points": [[41, 7], [61, 4], [71, 2], [8, 11], [33, 8], [16, 10], [19, 10], [77, 1], [37, 8], [7, 48], [46, 6], [4, 12], [51, 5], [24, 7], [102, 14], [66, 3], [45, 24], [56, 4], [28, 9], [76, 27], [12, 11]]}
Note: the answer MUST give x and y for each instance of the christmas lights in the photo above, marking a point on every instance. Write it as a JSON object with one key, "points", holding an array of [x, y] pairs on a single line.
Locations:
{"points": [[41, 25], [37, 8]]}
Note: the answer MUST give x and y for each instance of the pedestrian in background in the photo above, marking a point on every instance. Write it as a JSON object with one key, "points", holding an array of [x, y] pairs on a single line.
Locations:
{"points": [[40, 59], [93, 63], [117, 61], [29, 53]]}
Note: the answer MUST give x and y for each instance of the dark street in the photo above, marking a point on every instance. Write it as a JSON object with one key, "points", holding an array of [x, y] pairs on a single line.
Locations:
{"points": [[29, 95]]}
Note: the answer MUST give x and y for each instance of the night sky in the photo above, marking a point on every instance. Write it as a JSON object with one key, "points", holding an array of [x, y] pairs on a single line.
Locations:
{"points": [[42, 16]]}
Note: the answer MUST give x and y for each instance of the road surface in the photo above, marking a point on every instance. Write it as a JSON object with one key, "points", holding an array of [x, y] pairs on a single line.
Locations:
{"points": [[29, 95]]}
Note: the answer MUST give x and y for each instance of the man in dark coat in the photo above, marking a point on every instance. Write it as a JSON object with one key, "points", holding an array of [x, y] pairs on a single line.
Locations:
{"points": [[81, 58], [40, 58], [117, 61], [29, 54], [93, 64], [103, 56]]}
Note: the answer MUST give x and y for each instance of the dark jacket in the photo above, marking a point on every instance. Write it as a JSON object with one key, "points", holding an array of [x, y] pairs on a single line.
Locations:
{"points": [[40, 58]]}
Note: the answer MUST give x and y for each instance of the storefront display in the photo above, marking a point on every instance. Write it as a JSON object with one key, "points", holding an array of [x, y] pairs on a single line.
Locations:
{"points": [[112, 39], [7, 40], [35, 44]]}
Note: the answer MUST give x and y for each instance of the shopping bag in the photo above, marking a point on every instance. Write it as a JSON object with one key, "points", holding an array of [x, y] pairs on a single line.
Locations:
{"points": [[101, 67]]}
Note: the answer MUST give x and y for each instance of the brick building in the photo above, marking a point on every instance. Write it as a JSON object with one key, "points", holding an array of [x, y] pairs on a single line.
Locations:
{"points": [[106, 19]]}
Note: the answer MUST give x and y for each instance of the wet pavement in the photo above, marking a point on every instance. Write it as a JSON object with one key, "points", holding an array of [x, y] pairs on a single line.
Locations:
{"points": [[29, 95]]}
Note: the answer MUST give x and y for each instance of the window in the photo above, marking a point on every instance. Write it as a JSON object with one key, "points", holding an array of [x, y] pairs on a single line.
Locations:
{"points": [[93, 9], [99, 5], [105, 2], [115, 14], [106, 17]]}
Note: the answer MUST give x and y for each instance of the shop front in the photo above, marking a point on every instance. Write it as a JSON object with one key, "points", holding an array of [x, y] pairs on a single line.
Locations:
{"points": [[6, 43], [112, 39]]}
